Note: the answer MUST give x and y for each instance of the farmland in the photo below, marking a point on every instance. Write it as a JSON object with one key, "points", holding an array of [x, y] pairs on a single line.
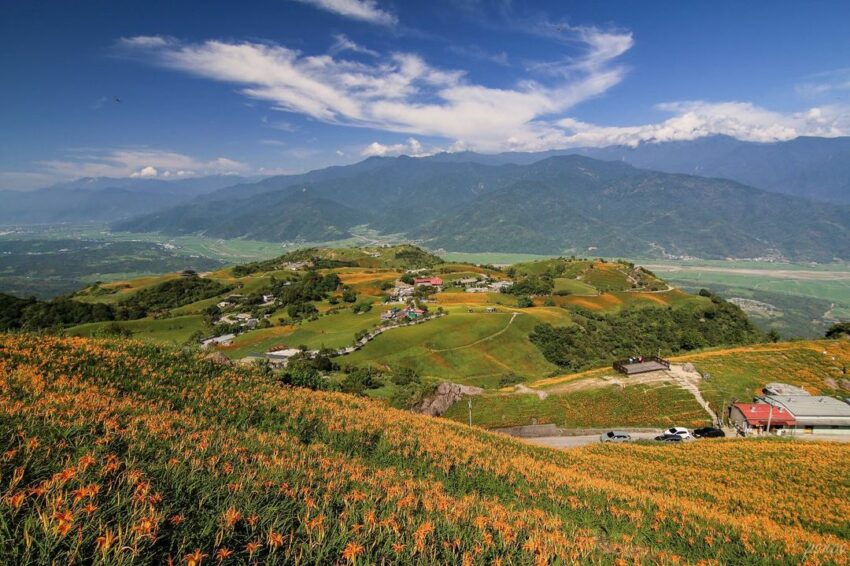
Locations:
{"points": [[113, 450]]}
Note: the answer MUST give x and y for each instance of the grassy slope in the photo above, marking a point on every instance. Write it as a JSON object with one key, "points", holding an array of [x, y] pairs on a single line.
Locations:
{"points": [[138, 452], [459, 348], [164, 331], [736, 374]]}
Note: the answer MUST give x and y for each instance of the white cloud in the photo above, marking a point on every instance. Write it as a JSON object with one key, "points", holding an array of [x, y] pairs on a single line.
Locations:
{"points": [[140, 163], [364, 10], [145, 41], [343, 43], [695, 119], [148, 171], [411, 147], [403, 93]]}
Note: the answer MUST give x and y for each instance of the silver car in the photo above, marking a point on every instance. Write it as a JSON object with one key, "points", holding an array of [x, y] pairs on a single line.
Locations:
{"points": [[615, 436]]}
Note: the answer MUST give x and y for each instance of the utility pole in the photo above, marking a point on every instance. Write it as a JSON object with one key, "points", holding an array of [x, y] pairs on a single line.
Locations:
{"points": [[469, 406]]}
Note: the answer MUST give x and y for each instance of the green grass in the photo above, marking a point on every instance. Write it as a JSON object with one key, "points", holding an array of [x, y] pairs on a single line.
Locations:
{"points": [[329, 331], [463, 358], [634, 406], [166, 331], [492, 258], [574, 287]]}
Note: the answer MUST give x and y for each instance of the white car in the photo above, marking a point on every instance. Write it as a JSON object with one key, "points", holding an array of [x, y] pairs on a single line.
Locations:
{"points": [[680, 431]]}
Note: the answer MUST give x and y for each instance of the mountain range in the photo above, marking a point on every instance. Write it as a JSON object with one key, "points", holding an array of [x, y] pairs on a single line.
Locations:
{"points": [[568, 204], [104, 199]]}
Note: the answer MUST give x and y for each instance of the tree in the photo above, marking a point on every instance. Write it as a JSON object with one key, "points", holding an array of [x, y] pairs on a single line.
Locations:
{"points": [[839, 330], [773, 335], [348, 295], [524, 302]]}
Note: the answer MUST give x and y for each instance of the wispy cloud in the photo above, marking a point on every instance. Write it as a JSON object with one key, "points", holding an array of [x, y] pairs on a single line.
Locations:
{"points": [[143, 163], [824, 83], [363, 10], [404, 93], [477, 53], [343, 43]]}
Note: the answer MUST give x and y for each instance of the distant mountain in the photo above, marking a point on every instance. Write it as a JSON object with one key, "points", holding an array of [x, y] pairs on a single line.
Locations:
{"points": [[616, 209], [271, 216], [104, 199], [563, 204], [816, 168]]}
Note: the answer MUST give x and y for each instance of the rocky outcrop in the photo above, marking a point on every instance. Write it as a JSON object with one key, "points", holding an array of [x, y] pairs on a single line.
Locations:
{"points": [[219, 358], [444, 396]]}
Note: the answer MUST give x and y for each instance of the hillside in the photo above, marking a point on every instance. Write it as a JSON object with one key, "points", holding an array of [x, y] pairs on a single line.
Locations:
{"points": [[117, 449], [564, 204]]}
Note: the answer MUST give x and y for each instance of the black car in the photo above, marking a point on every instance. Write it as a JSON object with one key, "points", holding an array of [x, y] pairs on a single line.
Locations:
{"points": [[709, 432], [669, 438]]}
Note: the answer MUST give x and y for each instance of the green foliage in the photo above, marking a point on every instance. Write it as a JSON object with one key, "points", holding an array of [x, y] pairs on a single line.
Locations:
{"points": [[174, 293], [598, 339], [524, 302], [510, 379], [359, 380], [405, 376], [349, 295], [839, 330], [361, 307]]}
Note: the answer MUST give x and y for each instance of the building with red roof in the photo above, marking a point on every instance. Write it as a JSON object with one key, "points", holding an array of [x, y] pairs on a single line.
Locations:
{"points": [[432, 281], [753, 418]]}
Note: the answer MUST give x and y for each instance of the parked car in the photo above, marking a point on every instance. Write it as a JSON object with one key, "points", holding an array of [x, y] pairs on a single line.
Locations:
{"points": [[679, 431], [615, 436], [669, 438], [709, 432]]}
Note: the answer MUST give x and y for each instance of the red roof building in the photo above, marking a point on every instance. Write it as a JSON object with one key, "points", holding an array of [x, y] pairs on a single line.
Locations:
{"points": [[758, 415], [432, 281]]}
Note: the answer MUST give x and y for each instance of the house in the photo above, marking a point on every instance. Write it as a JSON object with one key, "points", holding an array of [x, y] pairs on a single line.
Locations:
{"points": [[814, 414], [754, 418], [491, 309], [390, 314], [414, 314], [243, 316], [251, 323], [223, 340], [224, 304], [268, 299], [401, 290], [467, 281], [430, 281], [499, 286]]}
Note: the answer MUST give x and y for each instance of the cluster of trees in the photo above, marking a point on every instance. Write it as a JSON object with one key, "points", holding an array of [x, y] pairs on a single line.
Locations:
{"points": [[839, 330], [32, 314], [597, 339], [172, 294]]}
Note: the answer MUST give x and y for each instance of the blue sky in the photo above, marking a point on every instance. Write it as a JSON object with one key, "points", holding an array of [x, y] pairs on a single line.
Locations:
{"points": [[287, 86]]}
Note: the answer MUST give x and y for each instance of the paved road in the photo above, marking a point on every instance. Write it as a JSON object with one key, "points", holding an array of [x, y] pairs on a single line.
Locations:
{"points": [[566, 442]]}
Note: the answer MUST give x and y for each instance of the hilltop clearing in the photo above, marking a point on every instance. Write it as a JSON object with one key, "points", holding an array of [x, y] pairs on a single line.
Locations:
{"points": [[122, 452]]}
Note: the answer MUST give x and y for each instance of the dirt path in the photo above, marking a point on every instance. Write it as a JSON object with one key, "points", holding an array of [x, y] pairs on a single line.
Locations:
{"points": [[485, 339], [689, 381]]}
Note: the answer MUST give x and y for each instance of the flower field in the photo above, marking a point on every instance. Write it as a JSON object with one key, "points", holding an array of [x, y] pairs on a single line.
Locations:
{"points": [[118, 452]]}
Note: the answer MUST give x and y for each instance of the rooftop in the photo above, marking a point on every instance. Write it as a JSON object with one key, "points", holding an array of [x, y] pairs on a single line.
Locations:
{"points": [[759, 413], [784, 389], [818, 407]]}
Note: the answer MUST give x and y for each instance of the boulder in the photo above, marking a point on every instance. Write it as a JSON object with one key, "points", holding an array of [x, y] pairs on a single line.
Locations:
{"points": [[444, 396]]}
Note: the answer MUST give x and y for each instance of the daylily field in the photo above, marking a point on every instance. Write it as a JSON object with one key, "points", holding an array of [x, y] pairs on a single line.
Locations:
{"points": [[119, 452]]}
